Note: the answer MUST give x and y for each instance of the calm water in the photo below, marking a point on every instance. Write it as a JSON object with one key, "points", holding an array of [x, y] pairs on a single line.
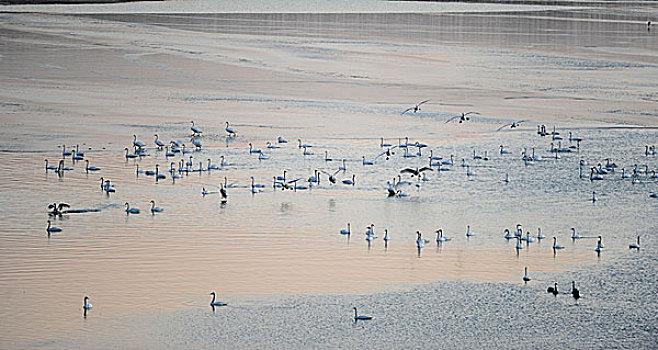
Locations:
{"points": [[276, 256]]}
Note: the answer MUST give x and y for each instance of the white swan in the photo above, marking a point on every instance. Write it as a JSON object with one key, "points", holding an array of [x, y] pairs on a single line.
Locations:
{"points": [[280, 139], [253, 150], [439, 236], [350, 181], [138, 144], [215, 302], [157, 142], [346, 231], [635, 245], [90, 168], [307, 152], [508, 235], [468, 231], [195, 130], [519, 245], [85, 303], [555, 245], [230, 131], [599, 246], [574, 235], [366, 162], [130, 210], [540, 236], [382, 144], [51, 228], [155, 209], [526, 278], [386, 237], [358, 317], [129, 155], [420, 242]]}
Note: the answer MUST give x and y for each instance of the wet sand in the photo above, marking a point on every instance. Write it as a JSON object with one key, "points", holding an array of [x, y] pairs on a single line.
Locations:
{"points": [[338, 81]]}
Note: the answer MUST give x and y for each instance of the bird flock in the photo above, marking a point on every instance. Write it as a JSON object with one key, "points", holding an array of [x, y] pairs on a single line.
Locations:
{"points": [[421, 163]]}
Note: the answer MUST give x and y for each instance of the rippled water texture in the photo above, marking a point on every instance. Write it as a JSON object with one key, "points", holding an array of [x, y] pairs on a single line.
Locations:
{"points": [[338, 82]]}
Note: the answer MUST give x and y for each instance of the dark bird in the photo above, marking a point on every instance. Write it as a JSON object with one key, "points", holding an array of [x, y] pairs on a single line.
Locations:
{"points": [[416, 171], [574, 291], [553, 290], [462, 118], [415, 108], [512, 125]]}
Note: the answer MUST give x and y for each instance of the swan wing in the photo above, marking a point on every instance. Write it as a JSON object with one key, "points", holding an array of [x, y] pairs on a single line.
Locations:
{"points": [[409, 170], [453, 118], [407, 110], [425, 168], [421, 102]]}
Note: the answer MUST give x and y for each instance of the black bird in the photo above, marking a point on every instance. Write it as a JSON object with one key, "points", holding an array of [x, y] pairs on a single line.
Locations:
{"points": [[415, 108], [553, 290], [574, 291], [57, 208], [416, 171], [512, 125]]}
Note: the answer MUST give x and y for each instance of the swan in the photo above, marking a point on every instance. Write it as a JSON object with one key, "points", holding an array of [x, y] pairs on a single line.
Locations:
{"points": [[254, 187], [475, 156], [450, 162], [386, 237], [346, 231], [439, 236], [599, 246], [540, 236], [653, 195], [350, 181], [593, 196], [382, 144], [468, 171], [415, 108], [85, 303], [129, 155], [526, 278], [130, 210], [519, 230], [506, 179], [50, 228], [65, 153], [464, 164], [230, 131], [508, 235], [197, 144], [553, 290], [270, 145], [212, 166], [366, 162], [635, 245], [574, 235], [253, 150], [503, 150], [138, 144], [281, 140], [157, 142], [50, 167], [214, 302], [528, 238], [343, 167], [263, 156], [195, 130], [155, 209], [518, 243], [420, 242], [555, 245], [61, 167], [307, 152], [326, 156], [358, 317], [468, 231], [169, 153], [302, 145], [90, 168], [574, 291], [624, 175]]}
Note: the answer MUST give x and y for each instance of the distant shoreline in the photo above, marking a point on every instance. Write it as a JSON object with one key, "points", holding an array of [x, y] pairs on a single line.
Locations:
{"points": [[65, 2]]}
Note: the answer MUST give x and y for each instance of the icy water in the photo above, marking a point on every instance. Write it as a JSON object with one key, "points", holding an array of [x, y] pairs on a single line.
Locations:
{"points": [[339, 83]]}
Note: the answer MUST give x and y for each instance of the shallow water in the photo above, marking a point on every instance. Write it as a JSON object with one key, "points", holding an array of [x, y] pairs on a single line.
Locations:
{"points": [[277, 256]]}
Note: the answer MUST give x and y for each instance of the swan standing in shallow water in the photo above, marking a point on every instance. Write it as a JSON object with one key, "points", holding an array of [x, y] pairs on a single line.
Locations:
{"points": [[358, 317], [130, 210], [215, 302], [85, 303], [386, 237], [420, 242], [599, 246], [526, 278], [468, 231], [439, 236], [155, 209], [230, 131], [195, 130], [635, 245]]}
